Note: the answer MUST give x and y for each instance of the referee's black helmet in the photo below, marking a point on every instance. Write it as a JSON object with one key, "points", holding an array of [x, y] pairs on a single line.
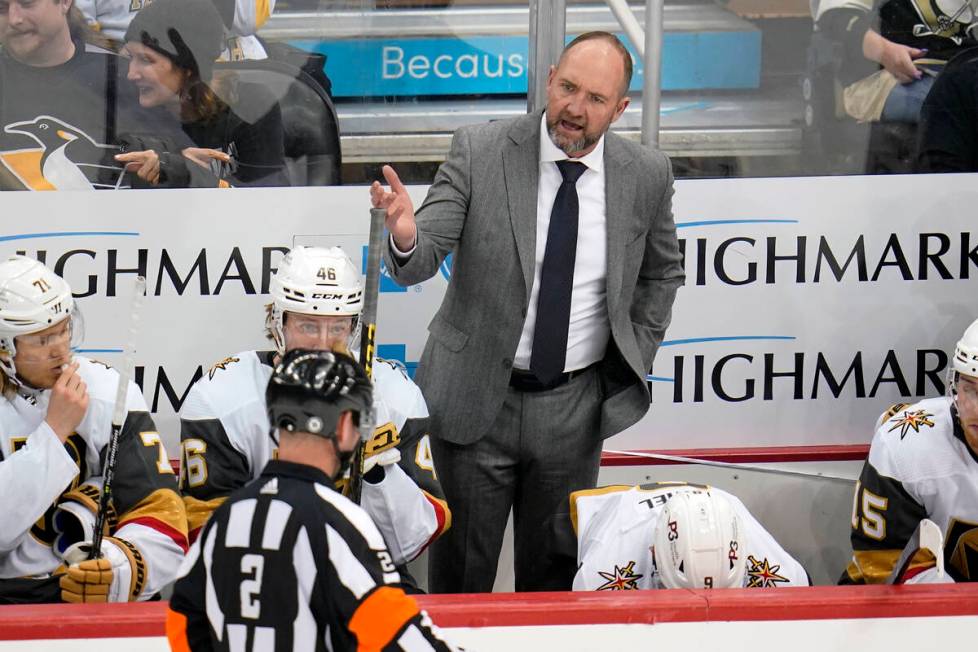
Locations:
{"points": [[309, 390]]}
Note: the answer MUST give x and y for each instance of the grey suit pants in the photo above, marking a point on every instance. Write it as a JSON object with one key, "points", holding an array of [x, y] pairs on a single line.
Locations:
{"points": [[542, 446]]}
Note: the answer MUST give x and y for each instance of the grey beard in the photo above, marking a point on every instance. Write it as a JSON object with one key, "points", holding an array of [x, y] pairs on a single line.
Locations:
{"points": [[572, 146]]}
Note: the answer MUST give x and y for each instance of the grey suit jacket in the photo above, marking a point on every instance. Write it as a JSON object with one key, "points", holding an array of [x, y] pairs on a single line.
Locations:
{"points": [[482, 206]]}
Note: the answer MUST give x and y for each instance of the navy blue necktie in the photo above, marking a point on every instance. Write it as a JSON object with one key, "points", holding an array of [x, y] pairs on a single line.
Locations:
{"points": [[549, 351]]}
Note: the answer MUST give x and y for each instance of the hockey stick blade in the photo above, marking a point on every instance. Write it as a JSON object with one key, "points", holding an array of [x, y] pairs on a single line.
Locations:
{"points": [[368, 330], [927, 537], [118, 417]]}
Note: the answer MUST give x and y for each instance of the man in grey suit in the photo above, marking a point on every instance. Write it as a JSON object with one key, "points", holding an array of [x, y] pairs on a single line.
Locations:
{"points": [[566, 265]]}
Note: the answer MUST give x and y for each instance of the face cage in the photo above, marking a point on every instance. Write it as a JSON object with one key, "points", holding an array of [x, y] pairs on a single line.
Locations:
{"points": [[9, 345], [278, 329]]}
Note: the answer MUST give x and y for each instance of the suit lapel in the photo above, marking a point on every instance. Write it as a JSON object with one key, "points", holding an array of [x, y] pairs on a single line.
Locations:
{"points": [[521, 170], [619, 192]]}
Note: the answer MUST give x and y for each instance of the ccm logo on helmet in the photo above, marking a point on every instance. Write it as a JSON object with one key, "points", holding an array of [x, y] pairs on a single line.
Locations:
{"points": [[328, 297]]}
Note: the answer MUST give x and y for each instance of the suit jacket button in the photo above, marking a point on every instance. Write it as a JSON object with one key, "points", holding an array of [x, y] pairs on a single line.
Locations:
{"points": [[507, 363]]}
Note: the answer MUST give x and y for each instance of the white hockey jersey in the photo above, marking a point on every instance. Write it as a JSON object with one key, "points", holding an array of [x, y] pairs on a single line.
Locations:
{"points": [[38, 473], [615, 527], [224, 433], [919, 466]]}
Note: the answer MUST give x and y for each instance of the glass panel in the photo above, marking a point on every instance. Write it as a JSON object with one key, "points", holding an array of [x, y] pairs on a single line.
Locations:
{"points": [[749, 87]]}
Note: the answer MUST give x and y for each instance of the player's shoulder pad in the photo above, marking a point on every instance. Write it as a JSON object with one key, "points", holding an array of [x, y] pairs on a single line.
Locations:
{"points": [[227, 384], [102, 382], [600, 494], [391, 371], [394, 386], [889, 412], [902, 419], [912, 439]]}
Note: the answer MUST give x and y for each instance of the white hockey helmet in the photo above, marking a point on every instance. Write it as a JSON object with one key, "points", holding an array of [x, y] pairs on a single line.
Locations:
{"points": [[315, 281], [965, 359], [32, 298], [699, 542]]}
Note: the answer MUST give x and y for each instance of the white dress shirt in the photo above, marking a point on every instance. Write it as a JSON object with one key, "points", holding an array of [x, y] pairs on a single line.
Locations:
{"points": [[589, 328]]}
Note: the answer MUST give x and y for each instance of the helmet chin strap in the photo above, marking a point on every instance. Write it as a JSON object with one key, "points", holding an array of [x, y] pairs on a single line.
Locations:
{"points": [[343, 457]]}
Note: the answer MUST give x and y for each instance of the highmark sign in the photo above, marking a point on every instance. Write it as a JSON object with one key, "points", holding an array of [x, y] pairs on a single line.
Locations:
{"points": [[810, 305]]}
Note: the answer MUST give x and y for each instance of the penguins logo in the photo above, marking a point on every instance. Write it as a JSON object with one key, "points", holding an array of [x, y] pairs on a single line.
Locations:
{"points": [[945, 18], [67, 158]]}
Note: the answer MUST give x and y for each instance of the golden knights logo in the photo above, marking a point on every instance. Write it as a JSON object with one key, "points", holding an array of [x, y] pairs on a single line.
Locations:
{"points": [[949, 19], [762, 574], [222, 365], [623, 578], [914, 420], [63, 157]]}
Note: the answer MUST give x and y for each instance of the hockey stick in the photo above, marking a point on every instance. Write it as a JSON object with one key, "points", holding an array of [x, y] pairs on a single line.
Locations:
{"points": [[118, 418], [368, 330], [735, 466], [928, 537]]}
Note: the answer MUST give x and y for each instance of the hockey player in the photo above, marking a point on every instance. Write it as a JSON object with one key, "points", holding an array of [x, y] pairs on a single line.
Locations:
{"points": [[55, 414], [287, 563], [923, 463], [674, 535], [317, 298]]}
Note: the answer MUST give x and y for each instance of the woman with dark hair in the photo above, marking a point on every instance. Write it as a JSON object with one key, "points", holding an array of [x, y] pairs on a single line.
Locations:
{"points": [[172, 45]]}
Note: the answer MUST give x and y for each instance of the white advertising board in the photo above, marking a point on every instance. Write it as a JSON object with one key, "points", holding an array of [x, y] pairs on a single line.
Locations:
{"points": [[810, 304]]}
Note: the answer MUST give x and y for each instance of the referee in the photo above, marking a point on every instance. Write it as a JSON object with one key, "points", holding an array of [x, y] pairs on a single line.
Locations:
{"points": [[287, 563]]}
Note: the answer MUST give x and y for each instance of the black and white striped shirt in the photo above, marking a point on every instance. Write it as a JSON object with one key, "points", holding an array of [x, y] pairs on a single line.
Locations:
{"points": [[287, 563]]}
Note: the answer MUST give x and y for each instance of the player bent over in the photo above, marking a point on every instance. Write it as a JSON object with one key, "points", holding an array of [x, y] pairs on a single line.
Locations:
{"points": [[55, 423], [674, 535], [287, 563], [317, 299], [923, 463]]}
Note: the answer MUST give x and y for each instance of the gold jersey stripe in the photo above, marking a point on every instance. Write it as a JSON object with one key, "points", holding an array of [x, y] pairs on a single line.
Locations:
{"points": [[198, 511], [163, 505]]}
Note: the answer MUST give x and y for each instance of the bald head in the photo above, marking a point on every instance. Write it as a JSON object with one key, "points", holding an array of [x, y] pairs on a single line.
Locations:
{"points": [[615, 46], [586, 92]]}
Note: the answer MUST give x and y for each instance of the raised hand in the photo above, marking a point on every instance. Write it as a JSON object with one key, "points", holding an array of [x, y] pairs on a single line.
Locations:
{"points": [[69, 402], [400, 209]]}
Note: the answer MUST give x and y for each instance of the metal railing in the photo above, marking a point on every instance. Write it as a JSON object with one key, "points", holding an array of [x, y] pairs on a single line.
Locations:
{"points": [[547, 33]]}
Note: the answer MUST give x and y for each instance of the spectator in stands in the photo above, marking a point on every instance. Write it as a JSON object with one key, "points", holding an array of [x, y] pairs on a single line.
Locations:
{"points": [[61, 100], [234, 129], [947, 140], [910, 39], [674, 535], [242, 18]]}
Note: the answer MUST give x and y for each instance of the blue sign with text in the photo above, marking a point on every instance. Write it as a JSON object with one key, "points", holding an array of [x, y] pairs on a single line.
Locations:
{"points": [[497, 64]]}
